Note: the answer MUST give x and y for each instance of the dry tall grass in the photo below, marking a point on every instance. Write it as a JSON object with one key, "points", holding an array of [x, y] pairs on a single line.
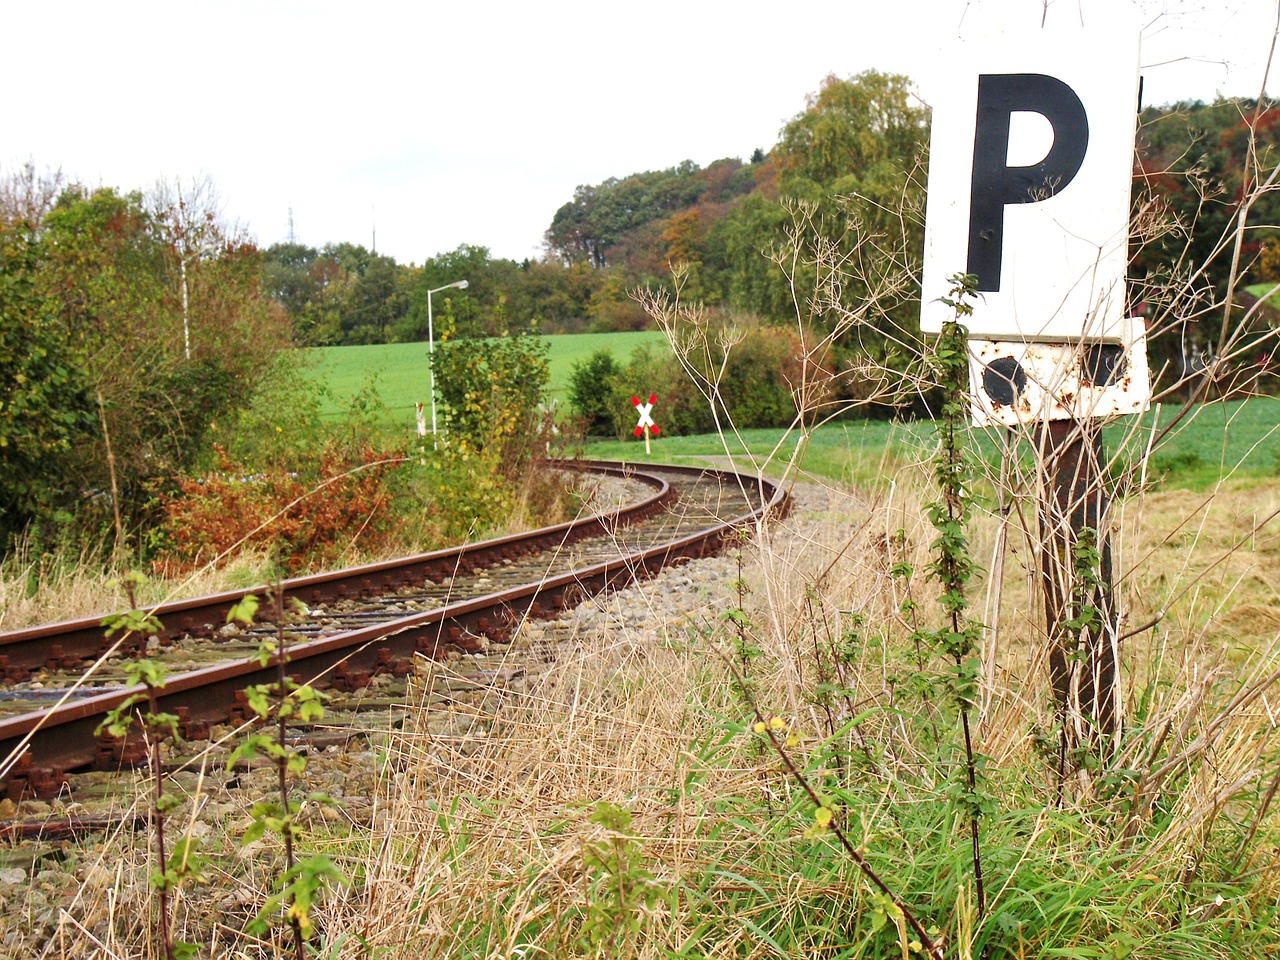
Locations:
{"points": [[480, 847], [475, 834]]}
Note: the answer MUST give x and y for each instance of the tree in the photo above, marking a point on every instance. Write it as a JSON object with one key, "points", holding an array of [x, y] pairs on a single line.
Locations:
{"points": [[376, 301], [95, 302], [590, 227], [852, 127], [1197, 168], [45, 407], [288, 276]]}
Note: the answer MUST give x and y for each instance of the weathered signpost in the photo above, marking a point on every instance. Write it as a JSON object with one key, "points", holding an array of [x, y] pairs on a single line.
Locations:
{"points": [[645, 425], [1030, 167]]}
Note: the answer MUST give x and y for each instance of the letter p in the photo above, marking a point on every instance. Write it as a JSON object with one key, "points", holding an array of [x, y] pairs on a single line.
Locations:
{"points": [[994, 183]]}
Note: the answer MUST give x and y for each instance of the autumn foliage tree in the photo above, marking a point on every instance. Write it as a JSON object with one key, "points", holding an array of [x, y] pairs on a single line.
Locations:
{"points": [[141, 338]]}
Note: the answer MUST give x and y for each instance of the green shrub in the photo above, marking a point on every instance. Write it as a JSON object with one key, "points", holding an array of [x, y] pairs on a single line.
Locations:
{"points": [[752, 380], [680, 409], [591, 389], [491, 389]]}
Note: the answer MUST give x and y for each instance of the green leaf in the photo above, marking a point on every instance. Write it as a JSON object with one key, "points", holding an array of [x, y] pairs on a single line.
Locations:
{"points": [[259, 699], [244, 610], [248, 748]]}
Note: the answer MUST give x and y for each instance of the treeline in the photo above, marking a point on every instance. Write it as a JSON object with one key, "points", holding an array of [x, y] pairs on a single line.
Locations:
{"points": [[1200, 162], [848, 172], [345, 294], [861, 139]]}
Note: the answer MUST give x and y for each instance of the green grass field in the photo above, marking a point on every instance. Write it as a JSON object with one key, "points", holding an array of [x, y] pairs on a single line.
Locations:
{"points": [[398, 371], [1270, 291], [1243, 437], [1240, 437]]}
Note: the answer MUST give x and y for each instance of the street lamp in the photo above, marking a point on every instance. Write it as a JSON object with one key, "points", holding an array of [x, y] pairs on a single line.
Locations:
{"points": [[431, 348]]}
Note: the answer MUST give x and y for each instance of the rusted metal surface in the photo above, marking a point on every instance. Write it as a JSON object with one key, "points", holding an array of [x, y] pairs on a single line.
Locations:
{"points": [[1015, 382], [66, 645], [68, 827], [43, 746]]}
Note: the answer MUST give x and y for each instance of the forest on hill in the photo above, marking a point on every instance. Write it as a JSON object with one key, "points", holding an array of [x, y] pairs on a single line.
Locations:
{"points": [[855, 156]]}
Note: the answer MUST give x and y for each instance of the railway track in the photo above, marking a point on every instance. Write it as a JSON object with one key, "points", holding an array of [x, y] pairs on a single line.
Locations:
{"points": [[57, 681]]}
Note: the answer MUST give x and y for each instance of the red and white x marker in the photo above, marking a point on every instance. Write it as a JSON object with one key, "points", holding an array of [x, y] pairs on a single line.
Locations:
{"points": [[646, 426]]}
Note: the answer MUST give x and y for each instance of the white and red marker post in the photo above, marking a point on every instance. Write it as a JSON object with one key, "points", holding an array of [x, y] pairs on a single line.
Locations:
{"points": [[645, 426]]}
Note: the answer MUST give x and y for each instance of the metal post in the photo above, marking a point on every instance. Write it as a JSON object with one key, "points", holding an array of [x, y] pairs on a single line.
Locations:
{"points": [[186, 336], [1082, 649]]}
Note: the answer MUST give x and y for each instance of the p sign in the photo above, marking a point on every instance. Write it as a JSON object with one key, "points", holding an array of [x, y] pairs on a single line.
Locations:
{"points": [[1030, 161]]}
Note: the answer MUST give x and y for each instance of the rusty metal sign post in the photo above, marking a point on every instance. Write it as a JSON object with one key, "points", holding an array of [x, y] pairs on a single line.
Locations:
{"points": [[1030, 169]]}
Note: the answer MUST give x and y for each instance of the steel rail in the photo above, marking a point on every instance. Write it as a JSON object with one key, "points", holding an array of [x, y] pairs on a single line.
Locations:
{"points": [[42, 746], [72, 643]]}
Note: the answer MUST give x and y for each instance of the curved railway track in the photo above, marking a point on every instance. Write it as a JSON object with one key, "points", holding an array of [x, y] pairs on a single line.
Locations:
{"points": [[356, 623]]}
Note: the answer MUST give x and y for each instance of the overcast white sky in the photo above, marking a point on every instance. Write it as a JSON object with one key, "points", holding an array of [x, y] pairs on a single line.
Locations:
{"points": [[472, 122]]}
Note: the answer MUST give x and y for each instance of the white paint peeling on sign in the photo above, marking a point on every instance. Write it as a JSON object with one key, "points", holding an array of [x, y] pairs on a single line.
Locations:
{"points": [[1014, 382]]}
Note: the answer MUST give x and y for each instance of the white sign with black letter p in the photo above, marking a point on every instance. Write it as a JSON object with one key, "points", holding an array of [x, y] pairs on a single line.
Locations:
{"points": [[1030, 163]]}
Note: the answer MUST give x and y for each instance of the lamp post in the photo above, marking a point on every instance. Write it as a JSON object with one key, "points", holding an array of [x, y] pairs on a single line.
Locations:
{"points": [[431, 348]]}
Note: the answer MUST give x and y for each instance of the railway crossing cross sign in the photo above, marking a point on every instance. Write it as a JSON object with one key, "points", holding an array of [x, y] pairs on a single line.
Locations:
{"points": [[1031, 160], [645, 426]]}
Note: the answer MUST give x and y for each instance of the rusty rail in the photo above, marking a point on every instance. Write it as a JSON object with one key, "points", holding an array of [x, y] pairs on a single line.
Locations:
{"points": [[42, 747], [65, 645]]}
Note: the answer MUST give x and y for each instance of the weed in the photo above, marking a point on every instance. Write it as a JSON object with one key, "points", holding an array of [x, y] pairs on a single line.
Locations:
{"points": [[622, 890], [303, 880], [184, 862]]}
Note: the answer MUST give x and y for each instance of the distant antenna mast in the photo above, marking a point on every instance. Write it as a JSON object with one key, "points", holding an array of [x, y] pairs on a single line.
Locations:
{"points": [[292, 237], [373, 214]]}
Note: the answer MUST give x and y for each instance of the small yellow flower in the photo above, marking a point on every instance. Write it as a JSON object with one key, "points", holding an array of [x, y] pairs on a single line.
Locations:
{"points": [[777, 723], [759, 727], [821, 821]]}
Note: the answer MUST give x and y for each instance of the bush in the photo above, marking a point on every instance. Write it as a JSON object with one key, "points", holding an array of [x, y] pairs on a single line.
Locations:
{"points": [[591, 389], [491, 389], [680, 408], [754, 380], [306, 521], [758, 375]]}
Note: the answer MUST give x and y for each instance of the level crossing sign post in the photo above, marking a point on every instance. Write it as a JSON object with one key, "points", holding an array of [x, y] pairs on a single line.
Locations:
{"points": [[645, 426], [1031, 160]]}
